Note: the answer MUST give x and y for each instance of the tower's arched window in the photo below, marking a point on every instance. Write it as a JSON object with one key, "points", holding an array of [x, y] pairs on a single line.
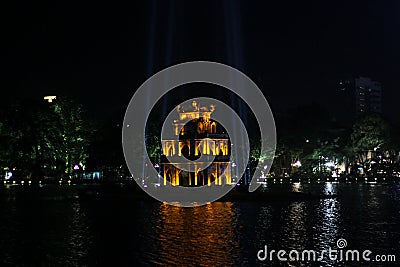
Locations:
{"points": [[213, 128]]}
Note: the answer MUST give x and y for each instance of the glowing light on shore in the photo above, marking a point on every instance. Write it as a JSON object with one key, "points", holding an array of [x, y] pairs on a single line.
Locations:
{"points": [[297, 164], [330, 164]]}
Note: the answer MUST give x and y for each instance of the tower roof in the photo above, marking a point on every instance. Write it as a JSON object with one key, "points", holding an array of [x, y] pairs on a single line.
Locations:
{"points": [[194, 111]]}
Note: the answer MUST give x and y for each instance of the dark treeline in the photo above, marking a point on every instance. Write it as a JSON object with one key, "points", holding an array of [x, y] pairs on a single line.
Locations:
{"points": [[59, 140], [40, 139]]}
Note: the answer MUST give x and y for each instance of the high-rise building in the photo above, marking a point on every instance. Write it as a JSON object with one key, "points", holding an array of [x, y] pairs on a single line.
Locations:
{"points": [[357, 97], [368, 96]]}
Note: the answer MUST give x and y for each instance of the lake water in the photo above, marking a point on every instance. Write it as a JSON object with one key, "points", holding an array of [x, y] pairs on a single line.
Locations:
{"points": [[52, 231]]}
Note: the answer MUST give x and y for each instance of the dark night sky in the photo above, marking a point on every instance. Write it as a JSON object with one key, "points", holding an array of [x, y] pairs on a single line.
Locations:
{"points": [[294, 51]]}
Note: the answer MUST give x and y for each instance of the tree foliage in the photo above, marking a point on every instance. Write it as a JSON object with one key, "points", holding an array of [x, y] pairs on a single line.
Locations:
{"points": [[44, 139]]}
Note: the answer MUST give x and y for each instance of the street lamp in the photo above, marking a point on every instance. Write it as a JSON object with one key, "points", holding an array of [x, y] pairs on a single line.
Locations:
{"points": [[50, 98]]}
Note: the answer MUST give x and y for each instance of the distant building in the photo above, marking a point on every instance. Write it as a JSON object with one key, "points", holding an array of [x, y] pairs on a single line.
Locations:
{"points": [[191, 145], [368, 96], [344, 109], [357, 97]]}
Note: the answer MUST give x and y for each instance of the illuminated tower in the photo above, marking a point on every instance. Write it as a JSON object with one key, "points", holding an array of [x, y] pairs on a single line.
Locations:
{"points": [[200, 136]]}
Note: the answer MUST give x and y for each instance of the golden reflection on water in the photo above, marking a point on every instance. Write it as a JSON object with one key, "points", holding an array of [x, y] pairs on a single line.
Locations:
{"points": [[207, 232]]}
